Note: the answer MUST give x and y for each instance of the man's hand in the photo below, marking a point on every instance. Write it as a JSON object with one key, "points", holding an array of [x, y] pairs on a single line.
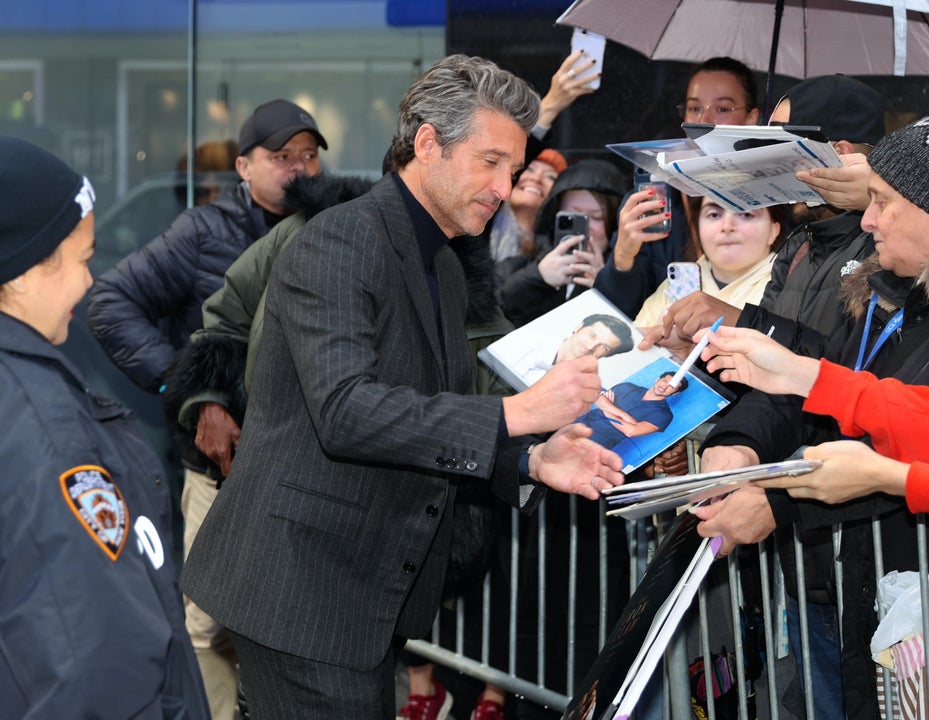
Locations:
{"points": [[672, 461], [843, 187], [746, 356], [727, 457], [562, 395], [850, 469], [673, 341], [217, 435], [742, 517], [570, 462], [720, 518], [632, 224], [568, 83], [692, 312]]}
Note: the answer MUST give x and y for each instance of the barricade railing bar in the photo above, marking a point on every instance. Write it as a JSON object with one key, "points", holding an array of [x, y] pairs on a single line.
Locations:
{"points": [[717, 621]]}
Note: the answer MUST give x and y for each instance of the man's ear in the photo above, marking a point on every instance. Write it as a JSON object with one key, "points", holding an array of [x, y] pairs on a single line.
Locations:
{"points": [[425, 144], [843, 147], [243, 167]]}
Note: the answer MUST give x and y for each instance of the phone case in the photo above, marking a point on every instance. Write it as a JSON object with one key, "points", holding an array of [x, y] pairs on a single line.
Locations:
{"points": [[683, 279], [643, 181], [595, 46], [568, 224]]}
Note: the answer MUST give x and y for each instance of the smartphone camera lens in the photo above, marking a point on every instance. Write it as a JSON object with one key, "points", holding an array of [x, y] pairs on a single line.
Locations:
{"points": [[565, 223]]}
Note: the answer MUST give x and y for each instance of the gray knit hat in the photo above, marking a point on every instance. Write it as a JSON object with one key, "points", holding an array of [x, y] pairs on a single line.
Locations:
{"points": [[902, 161], [41, 201]]}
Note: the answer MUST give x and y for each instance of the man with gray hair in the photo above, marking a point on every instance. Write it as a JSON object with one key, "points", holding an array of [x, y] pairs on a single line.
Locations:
{"points": [[328, 544]]}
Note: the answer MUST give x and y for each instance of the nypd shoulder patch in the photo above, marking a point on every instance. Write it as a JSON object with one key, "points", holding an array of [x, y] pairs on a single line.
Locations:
{"points": [[99, 506]]}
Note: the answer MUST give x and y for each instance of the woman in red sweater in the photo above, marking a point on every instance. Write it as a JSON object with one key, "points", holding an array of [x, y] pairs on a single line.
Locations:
{"points": [[893, 414]]}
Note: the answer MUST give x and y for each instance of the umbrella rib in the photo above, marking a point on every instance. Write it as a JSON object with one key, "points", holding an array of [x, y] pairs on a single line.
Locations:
{"points": [[806, 52], [664, 30]]}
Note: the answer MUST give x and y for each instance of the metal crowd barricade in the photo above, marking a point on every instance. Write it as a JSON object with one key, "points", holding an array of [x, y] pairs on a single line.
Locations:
{"points": [[700, 635]]}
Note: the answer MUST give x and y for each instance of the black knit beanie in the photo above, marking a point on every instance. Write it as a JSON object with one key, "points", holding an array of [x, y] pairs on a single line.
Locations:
{"points": [[41, 202], [902, 159]]}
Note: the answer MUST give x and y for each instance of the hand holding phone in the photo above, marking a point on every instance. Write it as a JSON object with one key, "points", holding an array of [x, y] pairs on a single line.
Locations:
{"points": [[569, 224], [594, 46], [683, 279], [643, 181]]}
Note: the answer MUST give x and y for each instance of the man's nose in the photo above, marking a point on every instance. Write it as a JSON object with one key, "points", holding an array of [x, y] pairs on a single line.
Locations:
{"points": [[502, 186]]}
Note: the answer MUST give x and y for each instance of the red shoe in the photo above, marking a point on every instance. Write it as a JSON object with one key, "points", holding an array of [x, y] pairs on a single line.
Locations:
{"points": [[428, 707], [487, 710]]}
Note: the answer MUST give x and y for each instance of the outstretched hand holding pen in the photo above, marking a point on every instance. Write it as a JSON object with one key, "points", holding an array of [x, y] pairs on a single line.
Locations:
{"points": [[749, 357]]}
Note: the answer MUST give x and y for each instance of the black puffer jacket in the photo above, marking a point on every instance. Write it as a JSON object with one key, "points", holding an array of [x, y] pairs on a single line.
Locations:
{"points": [[805, 288], [524, 295], [167, 280], [801, 305], [774, 426]]}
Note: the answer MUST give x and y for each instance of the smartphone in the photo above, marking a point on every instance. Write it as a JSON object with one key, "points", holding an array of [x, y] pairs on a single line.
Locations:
{"points": [[568, 224], [683, 279], [594, 46], [643, 181]]}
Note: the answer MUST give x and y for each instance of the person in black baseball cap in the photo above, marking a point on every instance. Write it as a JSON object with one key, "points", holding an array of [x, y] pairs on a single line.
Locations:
{"points": [[278, 141], [274, 123]]}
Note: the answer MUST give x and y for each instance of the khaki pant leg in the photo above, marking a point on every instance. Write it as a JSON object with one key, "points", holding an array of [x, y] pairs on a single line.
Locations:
{"points": [[212, 645]]}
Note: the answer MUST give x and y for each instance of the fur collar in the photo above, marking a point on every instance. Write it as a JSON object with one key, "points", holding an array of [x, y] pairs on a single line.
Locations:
{"points": [[857, 290], [311, 195]]}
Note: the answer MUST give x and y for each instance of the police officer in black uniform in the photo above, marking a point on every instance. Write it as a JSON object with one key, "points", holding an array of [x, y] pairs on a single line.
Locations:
{"points": [[91, 620]]}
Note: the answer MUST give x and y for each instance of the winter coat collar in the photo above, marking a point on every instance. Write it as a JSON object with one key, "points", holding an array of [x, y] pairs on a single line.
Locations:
{"points": [[833, 233], [311, 195], [16, 337], [893, 291]]}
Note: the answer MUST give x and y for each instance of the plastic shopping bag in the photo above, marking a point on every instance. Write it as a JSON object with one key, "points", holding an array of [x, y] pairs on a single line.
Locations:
{"points": [[898, 596]]}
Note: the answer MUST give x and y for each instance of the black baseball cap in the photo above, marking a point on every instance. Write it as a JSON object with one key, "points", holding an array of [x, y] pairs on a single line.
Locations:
{"points": [[844, 108], [274, 123]]}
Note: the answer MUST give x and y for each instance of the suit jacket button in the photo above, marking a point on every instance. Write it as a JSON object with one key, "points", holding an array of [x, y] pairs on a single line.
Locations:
{"points": [[440, 460], [409, 567], [450, 463], [432, 510], [462, 464], [472, 466]]}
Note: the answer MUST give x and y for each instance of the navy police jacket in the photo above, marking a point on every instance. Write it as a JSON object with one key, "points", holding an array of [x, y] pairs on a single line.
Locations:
{"points": [[91, 618]]}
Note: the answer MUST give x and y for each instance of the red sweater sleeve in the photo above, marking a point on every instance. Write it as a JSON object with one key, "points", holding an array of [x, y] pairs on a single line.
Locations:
{"points": [[893, 414], [917, 487]]}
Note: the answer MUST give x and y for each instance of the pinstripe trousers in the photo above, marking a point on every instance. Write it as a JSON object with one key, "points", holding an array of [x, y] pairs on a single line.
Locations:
{"points": [[279, 686]]}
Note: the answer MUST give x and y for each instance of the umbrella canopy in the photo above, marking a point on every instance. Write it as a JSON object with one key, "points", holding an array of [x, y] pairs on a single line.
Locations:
{"points": [[816, 37]]}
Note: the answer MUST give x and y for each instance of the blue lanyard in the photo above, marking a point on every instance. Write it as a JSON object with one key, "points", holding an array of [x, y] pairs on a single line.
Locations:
{"points": [[892, 325]]}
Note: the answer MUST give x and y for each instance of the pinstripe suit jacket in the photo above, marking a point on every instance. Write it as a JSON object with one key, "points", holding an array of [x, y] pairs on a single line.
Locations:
{"points": [[332, 531]]}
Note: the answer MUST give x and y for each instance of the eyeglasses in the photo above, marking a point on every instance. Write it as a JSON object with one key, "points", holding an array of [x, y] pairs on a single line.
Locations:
{"points": [[686, 110]]}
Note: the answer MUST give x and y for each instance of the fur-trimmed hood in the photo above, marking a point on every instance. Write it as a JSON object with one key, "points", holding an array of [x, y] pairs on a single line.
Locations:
{"points": [[311, 195], [857, 290]]}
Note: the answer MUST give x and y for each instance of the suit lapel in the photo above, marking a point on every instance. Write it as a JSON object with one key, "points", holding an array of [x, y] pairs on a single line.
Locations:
{"points": [[403, 240]]}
